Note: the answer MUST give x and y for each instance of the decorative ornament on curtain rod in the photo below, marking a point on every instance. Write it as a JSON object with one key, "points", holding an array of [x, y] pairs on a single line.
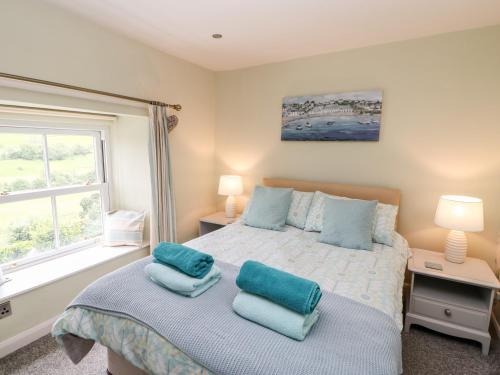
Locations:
{"points": [[172, 122]]}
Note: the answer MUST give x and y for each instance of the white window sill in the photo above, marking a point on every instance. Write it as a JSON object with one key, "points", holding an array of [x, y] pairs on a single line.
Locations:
{"points": [[41, 274]]}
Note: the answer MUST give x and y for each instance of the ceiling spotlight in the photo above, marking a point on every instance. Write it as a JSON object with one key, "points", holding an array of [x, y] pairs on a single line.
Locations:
{"points": [[216, 36]]}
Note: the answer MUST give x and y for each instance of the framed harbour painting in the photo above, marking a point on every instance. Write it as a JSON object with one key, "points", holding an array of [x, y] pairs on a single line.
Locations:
{"points": [[350, 116]]}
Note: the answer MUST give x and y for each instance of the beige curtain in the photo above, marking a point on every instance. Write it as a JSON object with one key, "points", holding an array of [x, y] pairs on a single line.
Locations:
{"points": [[163, 204]]}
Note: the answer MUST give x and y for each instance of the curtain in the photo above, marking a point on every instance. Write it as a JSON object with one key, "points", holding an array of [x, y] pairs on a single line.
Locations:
{"points": [[163, 205]]}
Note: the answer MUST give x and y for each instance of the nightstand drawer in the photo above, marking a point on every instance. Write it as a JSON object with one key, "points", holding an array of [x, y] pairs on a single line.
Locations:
{"points": [[449, 313]]}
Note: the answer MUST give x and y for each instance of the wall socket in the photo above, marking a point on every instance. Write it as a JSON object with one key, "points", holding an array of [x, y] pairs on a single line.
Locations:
{"points": [[5, 310]]}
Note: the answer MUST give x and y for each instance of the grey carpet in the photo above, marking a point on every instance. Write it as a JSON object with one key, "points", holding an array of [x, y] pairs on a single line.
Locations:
{"points": [[424, 352], [45, 357]]}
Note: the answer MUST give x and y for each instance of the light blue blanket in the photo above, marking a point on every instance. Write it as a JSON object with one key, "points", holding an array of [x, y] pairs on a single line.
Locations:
{"points": [[349, 338], [273, 316], [180, 282]]}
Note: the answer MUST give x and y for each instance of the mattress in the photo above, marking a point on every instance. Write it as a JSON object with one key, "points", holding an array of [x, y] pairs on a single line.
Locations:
{"points": [[373, 278]]}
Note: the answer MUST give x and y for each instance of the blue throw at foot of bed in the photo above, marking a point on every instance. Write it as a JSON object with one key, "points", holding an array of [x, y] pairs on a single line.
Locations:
{"points": [[349, 338]]}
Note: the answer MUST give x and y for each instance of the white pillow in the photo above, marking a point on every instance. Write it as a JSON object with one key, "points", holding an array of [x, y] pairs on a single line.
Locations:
{"points": [[123, 228], [383, 224], [297, 214]]}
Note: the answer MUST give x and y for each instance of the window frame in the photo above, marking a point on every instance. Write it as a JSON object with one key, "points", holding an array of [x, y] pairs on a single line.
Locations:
{"points": [[100, 132]]}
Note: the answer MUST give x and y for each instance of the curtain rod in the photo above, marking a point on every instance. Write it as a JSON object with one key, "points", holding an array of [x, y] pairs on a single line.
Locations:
{"points": [[177, 107]]}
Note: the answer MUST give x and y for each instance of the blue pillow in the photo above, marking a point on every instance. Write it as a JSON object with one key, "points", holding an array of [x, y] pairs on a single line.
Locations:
{"points": [[268, 208], [348, 223]]}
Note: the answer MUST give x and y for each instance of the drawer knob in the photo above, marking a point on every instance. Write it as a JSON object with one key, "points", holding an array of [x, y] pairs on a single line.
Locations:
{"points": [[447, 312]]}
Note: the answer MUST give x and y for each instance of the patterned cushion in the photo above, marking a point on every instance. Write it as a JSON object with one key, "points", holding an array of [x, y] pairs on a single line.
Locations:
{"points": [[247, 206], [314, 221], [123, 228], [383, 225], [297, 214]]}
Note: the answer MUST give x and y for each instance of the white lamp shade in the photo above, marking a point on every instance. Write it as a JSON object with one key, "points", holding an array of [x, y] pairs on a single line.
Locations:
{"points": [[230, 185], [460, 213]]}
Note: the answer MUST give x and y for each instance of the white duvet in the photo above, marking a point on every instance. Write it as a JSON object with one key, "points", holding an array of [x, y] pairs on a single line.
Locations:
{"points": [[374, 278]]}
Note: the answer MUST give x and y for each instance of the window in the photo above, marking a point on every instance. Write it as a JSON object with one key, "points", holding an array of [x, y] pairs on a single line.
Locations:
{"points": [[53, 192]]}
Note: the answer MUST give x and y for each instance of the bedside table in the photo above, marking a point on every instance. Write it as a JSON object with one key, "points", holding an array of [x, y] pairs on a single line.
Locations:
{"points": [[456, 301], [215, 221]]}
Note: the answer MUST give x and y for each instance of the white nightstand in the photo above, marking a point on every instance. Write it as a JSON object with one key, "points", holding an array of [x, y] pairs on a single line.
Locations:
{"points": [[457, 300], [215, 221]]}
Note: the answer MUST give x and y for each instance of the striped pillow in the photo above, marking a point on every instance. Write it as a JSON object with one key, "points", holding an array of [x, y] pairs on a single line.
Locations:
{"points": [[123, 228]]}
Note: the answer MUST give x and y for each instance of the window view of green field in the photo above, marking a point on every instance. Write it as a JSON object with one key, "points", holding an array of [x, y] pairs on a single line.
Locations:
{"points": [[29, 162]]}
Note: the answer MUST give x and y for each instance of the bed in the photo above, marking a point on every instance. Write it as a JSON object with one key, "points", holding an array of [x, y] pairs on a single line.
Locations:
{"points": [[370, 279]]}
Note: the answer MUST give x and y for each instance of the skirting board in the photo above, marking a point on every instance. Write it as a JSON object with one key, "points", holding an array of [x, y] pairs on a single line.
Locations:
{"points": [[26, 337]]}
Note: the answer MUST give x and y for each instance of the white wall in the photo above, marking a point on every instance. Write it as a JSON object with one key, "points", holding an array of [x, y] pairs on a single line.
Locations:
{"points": [[42, 41], [46, 302], [440, 129], [130, 165]]}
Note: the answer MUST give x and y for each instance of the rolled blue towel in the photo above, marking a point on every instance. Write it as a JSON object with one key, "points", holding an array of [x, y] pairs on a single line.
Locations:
{"points": [[180, 282], [185, 259], [297, 294], [274, 316]]}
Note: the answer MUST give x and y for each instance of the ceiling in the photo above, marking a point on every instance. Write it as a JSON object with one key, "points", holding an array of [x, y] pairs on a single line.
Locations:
{"points": [[257, 32]]}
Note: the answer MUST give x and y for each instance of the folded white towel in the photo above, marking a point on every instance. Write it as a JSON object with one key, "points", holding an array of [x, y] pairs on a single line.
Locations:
{"points": [[179, 282], [274, 316]]}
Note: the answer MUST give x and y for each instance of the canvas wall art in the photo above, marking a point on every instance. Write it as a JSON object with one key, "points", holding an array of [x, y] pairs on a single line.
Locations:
{"points": [[350, 116]]}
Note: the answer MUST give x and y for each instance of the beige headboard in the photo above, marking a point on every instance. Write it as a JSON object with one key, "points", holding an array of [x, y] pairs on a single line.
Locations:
{"points": [[383, 195]]}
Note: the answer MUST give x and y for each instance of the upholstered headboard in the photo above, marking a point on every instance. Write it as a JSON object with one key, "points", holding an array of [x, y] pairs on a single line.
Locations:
{"points": [[383, 195]]}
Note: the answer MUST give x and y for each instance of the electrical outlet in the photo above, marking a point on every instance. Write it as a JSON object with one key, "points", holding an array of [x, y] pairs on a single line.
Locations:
{"points": [[5, 310]]}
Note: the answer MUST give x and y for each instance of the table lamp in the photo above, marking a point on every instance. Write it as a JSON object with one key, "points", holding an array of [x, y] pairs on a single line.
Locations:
{"points": [[230, 185], [460, 214]]}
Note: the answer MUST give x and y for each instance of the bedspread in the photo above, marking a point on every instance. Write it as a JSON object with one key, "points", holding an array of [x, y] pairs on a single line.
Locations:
{"points": [[371, 278], [349, 337]]}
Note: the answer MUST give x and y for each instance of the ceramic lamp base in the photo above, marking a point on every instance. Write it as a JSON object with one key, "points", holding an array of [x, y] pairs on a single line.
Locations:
{"points": [[230, 207], [456, 246]]}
